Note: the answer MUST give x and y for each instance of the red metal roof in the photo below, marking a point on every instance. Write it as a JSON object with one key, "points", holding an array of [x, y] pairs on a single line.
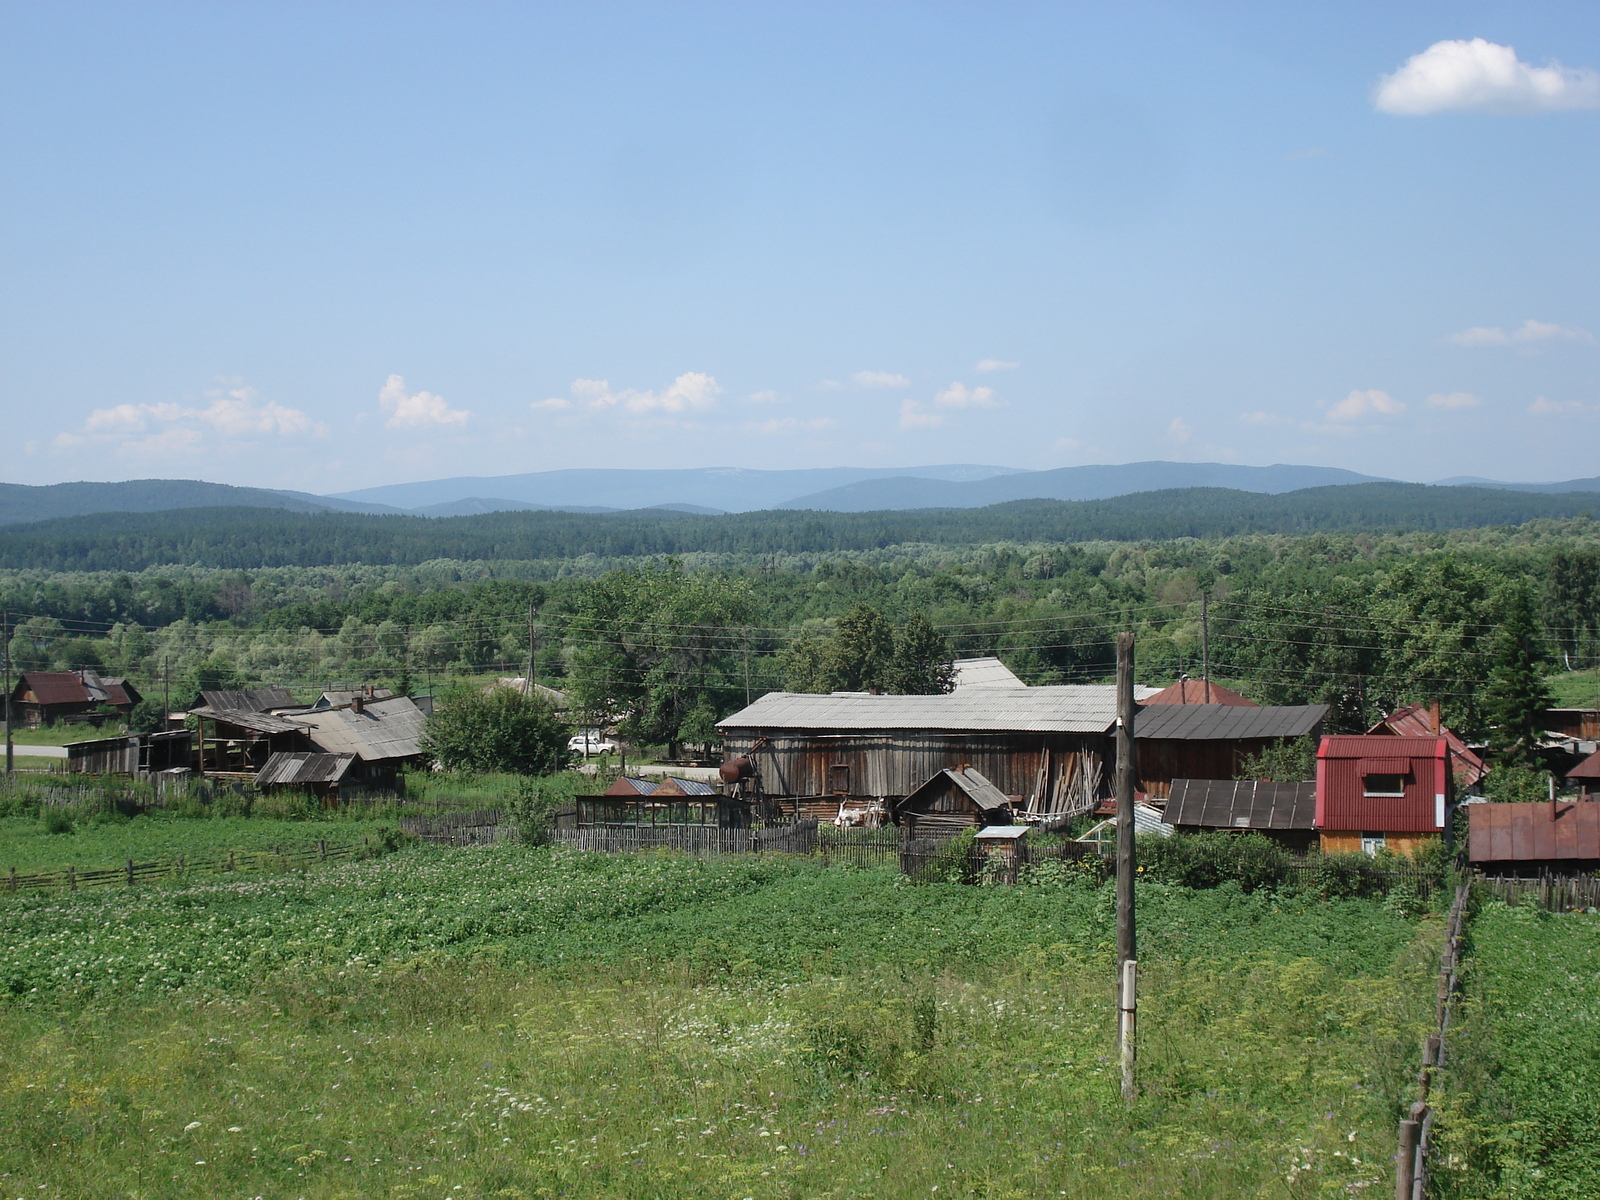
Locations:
{"points": [[1416, 720], [1533, 832], [1197, 691], [57, 687], [1589, 768], [1345, 761]]}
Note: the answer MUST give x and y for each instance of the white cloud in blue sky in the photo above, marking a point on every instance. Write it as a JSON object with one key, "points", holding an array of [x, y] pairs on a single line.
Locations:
{"points": [[1480, 76]]}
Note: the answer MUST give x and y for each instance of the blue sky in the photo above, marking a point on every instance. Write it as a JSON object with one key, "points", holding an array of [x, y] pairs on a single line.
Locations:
{"points": [[328, 246]]}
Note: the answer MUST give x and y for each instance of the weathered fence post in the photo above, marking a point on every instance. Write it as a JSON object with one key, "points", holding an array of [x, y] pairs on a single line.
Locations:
{"points": [[72, 877], [13, 879], [1405, 1155], [130, 872], [322, 849]]}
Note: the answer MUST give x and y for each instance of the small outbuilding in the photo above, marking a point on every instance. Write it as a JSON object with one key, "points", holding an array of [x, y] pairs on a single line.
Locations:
{"points": [[324, 775], [1532, 838], [1586, 777], [952, 800], [1284, 812], [669, 801], [1377, 792], [136, 754]]}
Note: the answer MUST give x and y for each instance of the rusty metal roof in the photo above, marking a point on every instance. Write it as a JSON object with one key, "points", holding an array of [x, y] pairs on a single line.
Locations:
{"points": [[299, 768], [1225, 722], [1242, 804], [984, 673], [1198, 691], [1533, 832], [1065, 708], [630, 785], [1415, 720], [58, 687], [1589, 768]]}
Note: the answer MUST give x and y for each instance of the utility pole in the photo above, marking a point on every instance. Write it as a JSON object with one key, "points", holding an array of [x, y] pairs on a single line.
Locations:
{"points": [[1127, 945], [5, 652], [532, 613], [1205, 643], [747, 668]]}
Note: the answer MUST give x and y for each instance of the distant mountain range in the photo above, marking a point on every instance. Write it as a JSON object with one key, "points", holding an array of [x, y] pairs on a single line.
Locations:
{"points": [[707, 490]]}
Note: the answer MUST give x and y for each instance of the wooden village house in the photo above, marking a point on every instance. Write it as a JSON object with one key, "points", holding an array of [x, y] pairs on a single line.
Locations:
{"points": [[1378, 792], [46, 697]]}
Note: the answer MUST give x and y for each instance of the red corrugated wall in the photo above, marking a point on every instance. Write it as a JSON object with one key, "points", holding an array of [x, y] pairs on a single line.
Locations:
{"points": [[1340, 804]]}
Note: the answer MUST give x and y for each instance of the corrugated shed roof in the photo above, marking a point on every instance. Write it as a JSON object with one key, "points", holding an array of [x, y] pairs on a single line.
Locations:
{"points": [[1416, 720], [1198, 691], [674, 785], [248, 699], [1533, 832], [629, 785], [984, 673], [1067, 708], [382, 729], [1242, 804], [334, 699], [1146, 820], [1225, 722], [301, 768], [244, 718]]}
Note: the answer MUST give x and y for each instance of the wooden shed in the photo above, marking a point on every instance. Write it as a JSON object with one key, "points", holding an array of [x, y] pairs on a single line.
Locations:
{"points": [[1284, 812], [1532, 838], [324, 775], [1212, 741], [1052, 746], [952, 800], [1379, 792], [134, 754]]}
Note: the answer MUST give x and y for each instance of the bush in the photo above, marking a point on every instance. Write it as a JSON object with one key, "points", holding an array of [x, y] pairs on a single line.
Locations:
{"points": [[58, 820], [498, 730], [1508, 783], [534, 809], [1206, 860]]}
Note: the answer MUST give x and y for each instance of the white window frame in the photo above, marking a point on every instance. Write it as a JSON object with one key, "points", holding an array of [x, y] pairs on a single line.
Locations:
{"points": [[1371, 843]]}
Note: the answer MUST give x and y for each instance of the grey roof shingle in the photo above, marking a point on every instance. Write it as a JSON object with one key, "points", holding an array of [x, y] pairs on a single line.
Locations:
{"points": [[382, 729], [1066, 708], [1226, 722], [298, 768]]}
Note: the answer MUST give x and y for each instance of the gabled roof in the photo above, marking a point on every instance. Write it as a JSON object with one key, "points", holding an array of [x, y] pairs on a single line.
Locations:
{"points": [[630, 785], [57, 687], [1242, 804], [1589, 768], [383, 729], [1416, 720], [1533, 832], [291, 768], [984, 673], [1378, 746], [1199, 691], [246, 699], [1066, 708], [1226, 722], [672, 785], [970, 781]]}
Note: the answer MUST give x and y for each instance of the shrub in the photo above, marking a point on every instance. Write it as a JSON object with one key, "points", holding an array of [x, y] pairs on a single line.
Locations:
{"points": [[498, 730], [1511, 783], [58, 820], [1205, 860]]}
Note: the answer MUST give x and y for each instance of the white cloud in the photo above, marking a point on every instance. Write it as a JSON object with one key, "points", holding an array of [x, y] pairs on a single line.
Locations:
{"points": [[690, 392], [1359, 404], [554, 404], [1179, 431], [1263, 418], [879, 379], [1545, 407], [787, 425], [1530, 334], [995, 364], [1481, 76], [1453, 400], [767, 397], [914, 416], [236, 414], [959, 395], [420, 410]]}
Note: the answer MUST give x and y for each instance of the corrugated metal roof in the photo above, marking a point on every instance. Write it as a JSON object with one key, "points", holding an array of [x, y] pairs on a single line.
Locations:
{"points": [[1369, 745], [1199, 691], [1146, 820], [1066, 708], [1225, 722], [984, 673], [630, 785], [1415, 720], [244, 718], [1589, 768], [247, 699], [300, 768], [689, 787], [58, 687], [1002, 833], [1242, 804], [382, 729], [334, 699], [1533, 832]]}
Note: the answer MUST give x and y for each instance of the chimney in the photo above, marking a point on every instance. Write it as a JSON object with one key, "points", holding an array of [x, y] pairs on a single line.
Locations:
{"points": [[358, 703], [874, 690], [1433, 717]]}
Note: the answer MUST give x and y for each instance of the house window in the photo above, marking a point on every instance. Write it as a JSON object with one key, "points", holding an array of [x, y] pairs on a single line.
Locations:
{"points": [[1371, 843], [1383, 785], [839, 778]]}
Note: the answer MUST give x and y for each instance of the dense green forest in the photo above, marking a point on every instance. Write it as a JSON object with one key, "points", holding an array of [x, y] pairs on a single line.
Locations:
{"points": [[252, 537], [1361, 621]]}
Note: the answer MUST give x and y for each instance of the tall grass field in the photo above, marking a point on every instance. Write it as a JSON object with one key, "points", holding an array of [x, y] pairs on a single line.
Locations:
{"points": [[518, 1022]]}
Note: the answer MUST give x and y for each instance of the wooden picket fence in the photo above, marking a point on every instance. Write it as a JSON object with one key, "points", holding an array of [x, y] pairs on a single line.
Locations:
{"points": [[479, 827], [1554, 893], [133, 872]]}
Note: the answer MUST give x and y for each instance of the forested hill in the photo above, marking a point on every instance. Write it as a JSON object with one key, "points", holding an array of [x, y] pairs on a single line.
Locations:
{"points": [[251, 537]]}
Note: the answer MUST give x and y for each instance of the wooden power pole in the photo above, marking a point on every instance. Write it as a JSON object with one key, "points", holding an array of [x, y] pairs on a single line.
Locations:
{"points": [[5, 652], [532, 613], [1205, 643], [1127, 945]]}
